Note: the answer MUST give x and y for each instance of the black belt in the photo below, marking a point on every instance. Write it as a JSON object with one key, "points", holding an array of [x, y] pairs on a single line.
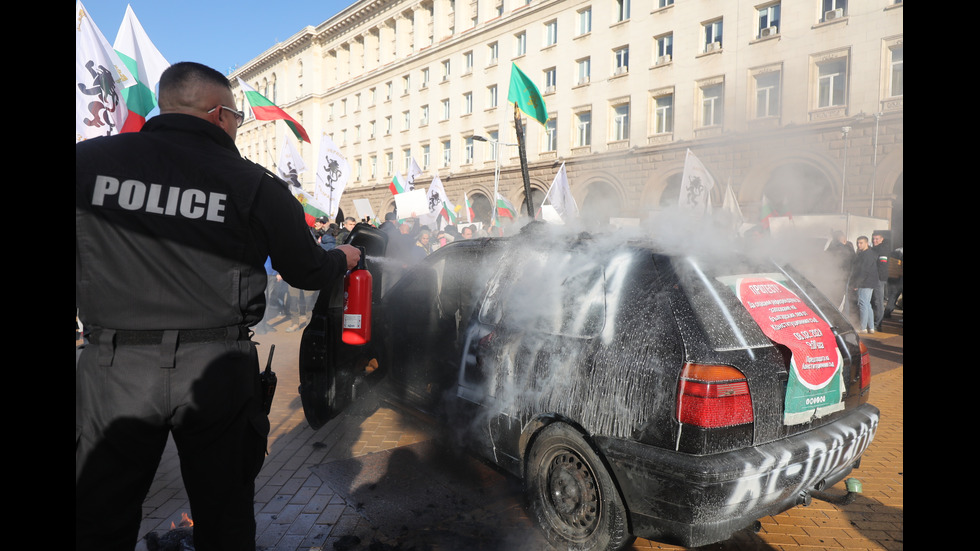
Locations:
{"points": [[187, 336], [109, 339]]}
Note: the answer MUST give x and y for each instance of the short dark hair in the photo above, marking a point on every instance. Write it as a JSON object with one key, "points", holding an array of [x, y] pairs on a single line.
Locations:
{"points": [[183, 73]]}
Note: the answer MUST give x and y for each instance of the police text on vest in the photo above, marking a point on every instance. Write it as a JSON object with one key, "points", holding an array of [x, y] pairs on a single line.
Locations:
{"points": [[157, 199]]}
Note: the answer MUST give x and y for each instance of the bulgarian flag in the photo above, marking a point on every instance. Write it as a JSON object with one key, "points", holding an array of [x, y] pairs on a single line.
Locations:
{"points": [[469, 208], [265, 110], [146, 63], [311, 208], [448, 213], [505, 209], [399, 185]]}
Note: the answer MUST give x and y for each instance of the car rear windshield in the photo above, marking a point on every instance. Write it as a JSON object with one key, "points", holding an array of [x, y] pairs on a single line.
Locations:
{"points": [[713, 291]]}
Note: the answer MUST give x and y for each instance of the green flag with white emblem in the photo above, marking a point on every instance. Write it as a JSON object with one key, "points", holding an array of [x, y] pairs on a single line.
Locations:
{"points": [[525, 94]]}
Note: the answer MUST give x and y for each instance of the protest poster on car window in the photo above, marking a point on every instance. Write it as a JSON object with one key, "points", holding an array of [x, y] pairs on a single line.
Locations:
{"points": [[815, 385]]}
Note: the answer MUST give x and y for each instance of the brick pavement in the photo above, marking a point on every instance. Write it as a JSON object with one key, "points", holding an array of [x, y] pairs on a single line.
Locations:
{"points": [[296, 511]]}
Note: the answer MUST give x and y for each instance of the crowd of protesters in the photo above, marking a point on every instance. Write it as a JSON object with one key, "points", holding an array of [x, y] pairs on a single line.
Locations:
{"points": [[409, 241]]}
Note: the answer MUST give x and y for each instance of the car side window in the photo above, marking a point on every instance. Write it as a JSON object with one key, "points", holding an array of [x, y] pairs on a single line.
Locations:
{"points": [[557, 294]]}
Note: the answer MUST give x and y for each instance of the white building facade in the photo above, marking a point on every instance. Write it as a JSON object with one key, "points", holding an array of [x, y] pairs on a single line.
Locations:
{"points": [[797, 104]]}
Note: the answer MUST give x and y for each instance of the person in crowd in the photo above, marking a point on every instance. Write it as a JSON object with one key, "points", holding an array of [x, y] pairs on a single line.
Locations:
{"points": [[864, 279], [423, 241], [467, 232], [882, 250], [172, 227], [841, 253], [349, 224], [896, 280]]}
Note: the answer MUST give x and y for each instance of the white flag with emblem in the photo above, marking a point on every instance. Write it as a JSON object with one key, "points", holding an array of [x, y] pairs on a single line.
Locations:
{"points": [[291, 164], [332, 173], [100, 77], [696, 184]]}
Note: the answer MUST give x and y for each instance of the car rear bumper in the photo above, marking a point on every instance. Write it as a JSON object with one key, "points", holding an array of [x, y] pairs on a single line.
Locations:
{"points": [[697, 500]]}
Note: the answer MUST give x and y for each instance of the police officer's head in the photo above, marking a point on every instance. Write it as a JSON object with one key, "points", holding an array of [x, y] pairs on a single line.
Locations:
{"points": [[194, 89]]}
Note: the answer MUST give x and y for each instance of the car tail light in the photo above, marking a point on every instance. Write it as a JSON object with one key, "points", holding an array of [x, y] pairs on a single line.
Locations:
{"points": [[865, 367], [713, 396]]}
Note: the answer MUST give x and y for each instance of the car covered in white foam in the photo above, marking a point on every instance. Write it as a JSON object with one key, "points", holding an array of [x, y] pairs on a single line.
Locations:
{"points": [[636, 392]]}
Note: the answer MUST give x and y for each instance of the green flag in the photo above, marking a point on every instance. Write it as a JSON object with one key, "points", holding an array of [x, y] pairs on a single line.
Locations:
{"points": [[525, 94]]}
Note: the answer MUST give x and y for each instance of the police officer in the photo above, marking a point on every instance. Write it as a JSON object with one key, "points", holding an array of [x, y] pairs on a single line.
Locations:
{"points": [[172, 229]]}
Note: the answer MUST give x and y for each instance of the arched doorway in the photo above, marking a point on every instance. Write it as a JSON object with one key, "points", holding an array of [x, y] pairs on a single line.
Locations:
{"points": [[800, 188], [602, 202], [482, 208], [672, 191], [537, 196]]}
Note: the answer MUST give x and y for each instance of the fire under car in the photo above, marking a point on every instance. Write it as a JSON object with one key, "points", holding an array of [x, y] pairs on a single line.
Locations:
{"points": [[635, 391]]}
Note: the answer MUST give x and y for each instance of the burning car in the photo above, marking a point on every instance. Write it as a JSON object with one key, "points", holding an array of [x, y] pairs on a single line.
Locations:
{"points": [[636, 392]]}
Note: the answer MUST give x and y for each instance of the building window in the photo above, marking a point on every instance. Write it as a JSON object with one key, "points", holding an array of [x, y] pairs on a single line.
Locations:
{"points": [[832, 83], [388, 91], [493, 52], [468, 150], [426, 157], [583, 129], [550, 80], [622, 10], [406, 84], [425, 78], [447, 153], [550, 33], [712, 35], [621, 60], [520, 44], [445, 70], [767, 86], [389, 163], [373, 166], [896, 86], [768, 20], [406, 120], [551, 134], [492, 146], [664, 3], [373, 129], [834, 9], [406, 160], [467, 63], [665, 48], [492, 96], [663, 114], [468, 103], [445, 109], [358, 169], [388, 125], [424, 115], [712, 105], [584, 69], [584, 22], [620, 122]]}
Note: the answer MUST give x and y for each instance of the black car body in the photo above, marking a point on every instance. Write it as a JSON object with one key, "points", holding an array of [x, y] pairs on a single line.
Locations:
{"points": [[636, 392]]}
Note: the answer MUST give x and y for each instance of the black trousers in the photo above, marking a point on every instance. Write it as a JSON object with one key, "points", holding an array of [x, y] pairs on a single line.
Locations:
{"points": [[128, 399]]}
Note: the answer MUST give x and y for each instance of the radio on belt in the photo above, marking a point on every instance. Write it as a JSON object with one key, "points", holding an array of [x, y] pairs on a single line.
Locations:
{"points": [[357, 304]]}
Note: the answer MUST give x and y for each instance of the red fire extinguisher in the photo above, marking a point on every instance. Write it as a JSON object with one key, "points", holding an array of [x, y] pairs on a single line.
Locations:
{"points": [[357, 304]]}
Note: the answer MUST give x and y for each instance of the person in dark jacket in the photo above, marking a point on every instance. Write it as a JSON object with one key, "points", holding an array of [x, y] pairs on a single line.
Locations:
{"points": [[864, 278], [172, 228], [882, 250]]}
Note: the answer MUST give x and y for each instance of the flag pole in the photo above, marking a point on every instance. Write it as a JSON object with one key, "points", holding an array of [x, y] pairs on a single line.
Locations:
{"points": [[523, 153]]}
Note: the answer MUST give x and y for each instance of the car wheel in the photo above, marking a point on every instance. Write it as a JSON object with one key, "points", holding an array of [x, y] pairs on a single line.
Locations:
{"points": [[571, 494]]}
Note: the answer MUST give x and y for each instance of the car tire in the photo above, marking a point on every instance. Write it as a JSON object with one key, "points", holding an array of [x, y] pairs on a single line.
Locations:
{"points": [[571, 495]]}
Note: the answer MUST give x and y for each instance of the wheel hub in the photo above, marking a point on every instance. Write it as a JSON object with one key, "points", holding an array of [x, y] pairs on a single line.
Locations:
{"points": [[573, 493]]}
